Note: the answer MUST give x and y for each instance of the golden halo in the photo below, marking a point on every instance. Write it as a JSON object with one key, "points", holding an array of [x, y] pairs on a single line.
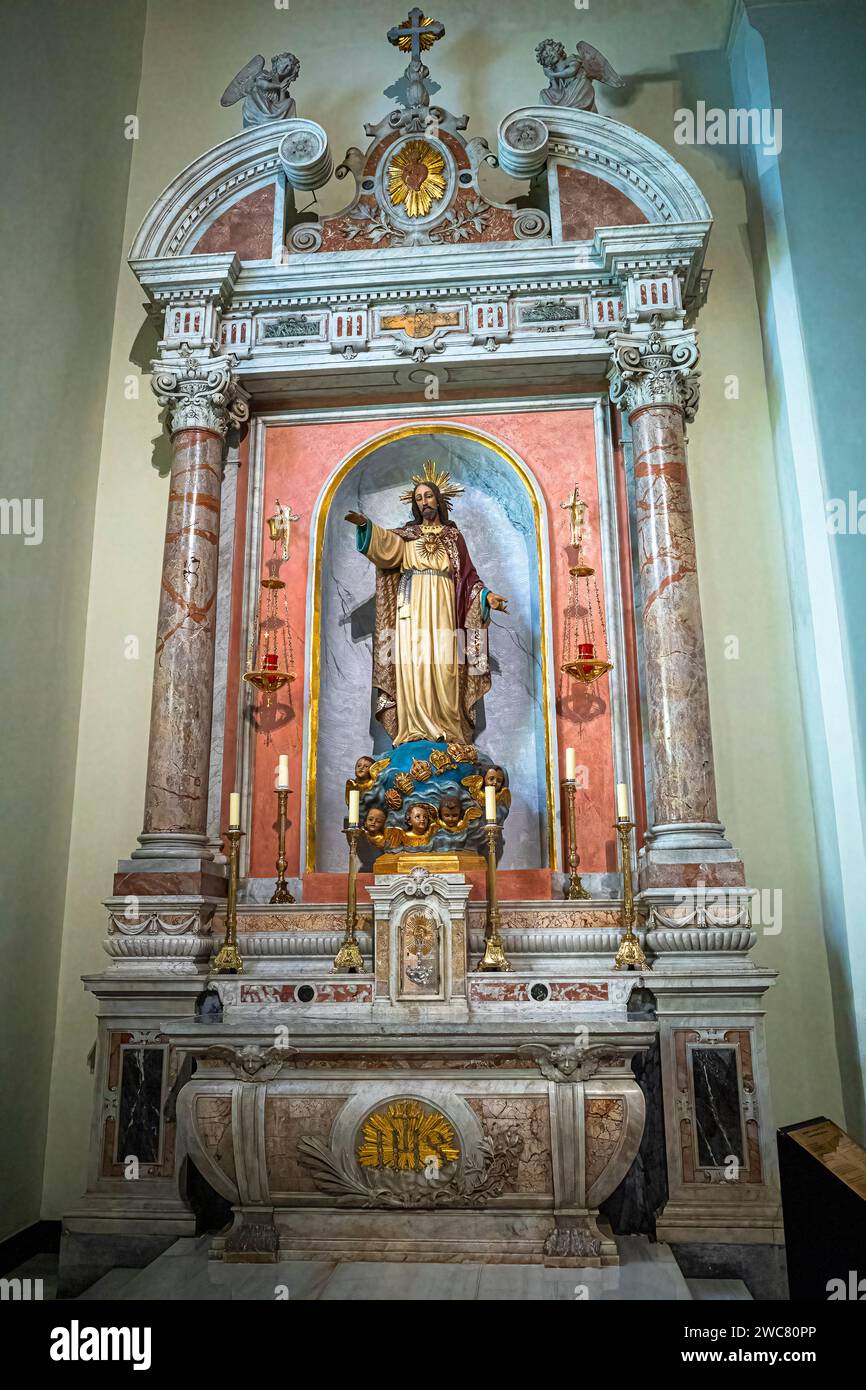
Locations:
{"points": [[415, 177], [438, 477]]}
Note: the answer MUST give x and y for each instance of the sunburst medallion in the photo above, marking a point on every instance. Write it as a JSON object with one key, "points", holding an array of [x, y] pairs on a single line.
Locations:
{"points": [[415, 178], [407, 1135]]}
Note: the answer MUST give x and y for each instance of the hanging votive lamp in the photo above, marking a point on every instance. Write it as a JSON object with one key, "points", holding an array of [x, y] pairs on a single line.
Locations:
{"points": [[584, 643], [272, 660]]}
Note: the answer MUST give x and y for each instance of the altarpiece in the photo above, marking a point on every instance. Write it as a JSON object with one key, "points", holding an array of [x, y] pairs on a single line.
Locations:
{"points": [[516, 354]]}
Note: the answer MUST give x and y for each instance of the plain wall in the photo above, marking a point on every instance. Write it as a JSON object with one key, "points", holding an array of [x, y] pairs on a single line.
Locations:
{"points": [[673, 50], [805, 214], [72, 80]]}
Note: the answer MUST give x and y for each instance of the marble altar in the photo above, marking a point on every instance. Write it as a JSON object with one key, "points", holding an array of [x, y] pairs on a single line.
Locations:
{"points": [[422, 1108]]}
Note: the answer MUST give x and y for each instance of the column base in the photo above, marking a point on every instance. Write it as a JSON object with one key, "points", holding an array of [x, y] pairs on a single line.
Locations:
{"points": [[172, 844], [691, 854], [169, 862], [755, 1220], [681, 921]]}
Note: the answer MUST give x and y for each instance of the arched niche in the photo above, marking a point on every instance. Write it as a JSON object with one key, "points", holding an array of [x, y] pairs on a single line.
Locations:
{"points": [[502, 516]]}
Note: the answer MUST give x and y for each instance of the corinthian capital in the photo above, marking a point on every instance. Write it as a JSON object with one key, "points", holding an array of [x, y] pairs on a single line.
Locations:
{"points": [[653, 367], [201, 394]]}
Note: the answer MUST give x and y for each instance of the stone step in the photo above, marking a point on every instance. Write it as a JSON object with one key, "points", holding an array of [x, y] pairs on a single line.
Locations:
{"points": [[704, 1290], [111, 1285], [647, 1271]]}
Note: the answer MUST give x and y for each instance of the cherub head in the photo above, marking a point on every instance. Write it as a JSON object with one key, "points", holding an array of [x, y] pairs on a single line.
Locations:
{"points": [[374, 821], [450, 812], [419, 818], [285, 66], [550, 53], [494, 777], [362, 769]]}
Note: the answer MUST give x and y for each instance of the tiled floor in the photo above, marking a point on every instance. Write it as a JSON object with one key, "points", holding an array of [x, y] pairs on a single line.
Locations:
{"points": [[184, 1272]]}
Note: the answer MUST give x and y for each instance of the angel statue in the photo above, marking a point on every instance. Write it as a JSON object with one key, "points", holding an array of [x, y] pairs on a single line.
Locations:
{"points": [[570, 76], [265, 91]]}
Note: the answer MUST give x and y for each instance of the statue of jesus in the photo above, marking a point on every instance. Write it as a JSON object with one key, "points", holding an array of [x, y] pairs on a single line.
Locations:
{"points": [[430, 657]]}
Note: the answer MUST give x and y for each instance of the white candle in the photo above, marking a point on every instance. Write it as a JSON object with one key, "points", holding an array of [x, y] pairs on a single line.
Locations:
{"points": [[570, 765], [354, 807], [234, 810], [490, 803], [622, 801], [283, 772]]}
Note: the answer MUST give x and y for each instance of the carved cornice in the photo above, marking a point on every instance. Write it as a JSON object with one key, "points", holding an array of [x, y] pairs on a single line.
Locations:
{"points": [[654, 367], [201, 394]]}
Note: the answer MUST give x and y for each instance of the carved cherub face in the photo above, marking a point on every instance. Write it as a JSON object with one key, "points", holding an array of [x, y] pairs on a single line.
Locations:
{"points": [[550, 53], [374, 821], [286, 66], [450, 812], [494, 777], [362, 769], [418, 818]]}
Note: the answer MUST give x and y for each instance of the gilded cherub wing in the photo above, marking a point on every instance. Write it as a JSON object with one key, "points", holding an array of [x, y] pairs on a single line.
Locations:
{"points": [[475, 784], [393, 836], [504, 797], [350, 787], [378, 767], [242, 83], [596, 66]]}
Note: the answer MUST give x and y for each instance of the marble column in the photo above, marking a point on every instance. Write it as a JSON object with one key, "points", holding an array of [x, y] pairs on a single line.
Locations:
{"points": [[653, 378], [203, 400]]}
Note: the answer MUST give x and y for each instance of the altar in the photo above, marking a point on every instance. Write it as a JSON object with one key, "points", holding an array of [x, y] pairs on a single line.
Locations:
{"points": [[433, 946]]}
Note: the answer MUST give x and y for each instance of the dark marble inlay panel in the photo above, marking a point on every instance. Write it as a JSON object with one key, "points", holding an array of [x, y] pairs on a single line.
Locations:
{"points": [[140, 1105], [717, 1105]]}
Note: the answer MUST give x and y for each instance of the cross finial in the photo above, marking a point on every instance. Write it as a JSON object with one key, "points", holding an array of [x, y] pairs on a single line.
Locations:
{"points": [[416, 34]]}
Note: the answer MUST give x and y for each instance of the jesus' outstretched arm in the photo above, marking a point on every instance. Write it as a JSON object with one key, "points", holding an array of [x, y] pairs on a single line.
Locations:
{"points": [[383, 548]]}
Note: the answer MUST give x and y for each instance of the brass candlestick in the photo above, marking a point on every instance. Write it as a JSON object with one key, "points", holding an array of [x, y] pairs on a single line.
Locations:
{"points": [[349, 957], [281, 892], [575, 888], [494, 957], [630, 955], [228, 961]]}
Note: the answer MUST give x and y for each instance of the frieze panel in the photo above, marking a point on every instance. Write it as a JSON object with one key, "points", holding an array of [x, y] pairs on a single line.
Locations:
{"points": [[544, 315], [299, 328]]}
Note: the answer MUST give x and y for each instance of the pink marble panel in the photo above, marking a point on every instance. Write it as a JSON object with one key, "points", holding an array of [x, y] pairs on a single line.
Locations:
{"points": [[587, 202], [247, 227], [338, 992], [577, 992], [499, 1117], [558, 447], [491, 991]]}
